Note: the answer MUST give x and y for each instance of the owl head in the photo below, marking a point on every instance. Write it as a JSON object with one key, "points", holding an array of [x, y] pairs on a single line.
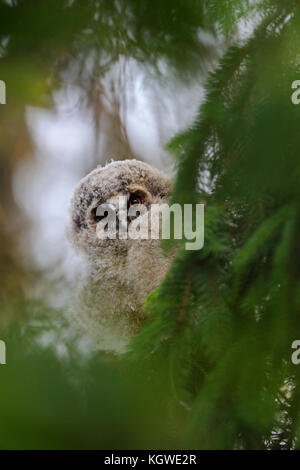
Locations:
{"points": [[132, 181]]}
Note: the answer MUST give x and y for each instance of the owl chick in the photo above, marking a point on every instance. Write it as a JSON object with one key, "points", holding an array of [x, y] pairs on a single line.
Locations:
{"points": [[122, 271]]}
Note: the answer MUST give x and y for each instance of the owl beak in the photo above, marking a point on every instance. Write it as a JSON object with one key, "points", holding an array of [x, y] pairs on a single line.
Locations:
{"points": [[122, 219], [119, 206]]}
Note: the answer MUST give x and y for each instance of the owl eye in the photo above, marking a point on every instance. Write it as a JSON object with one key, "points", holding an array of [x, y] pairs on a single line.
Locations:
{"points": [[135, 200]]}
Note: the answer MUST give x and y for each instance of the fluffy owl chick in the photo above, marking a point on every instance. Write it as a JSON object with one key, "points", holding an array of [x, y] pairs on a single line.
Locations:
{"points": [[122, 271]]}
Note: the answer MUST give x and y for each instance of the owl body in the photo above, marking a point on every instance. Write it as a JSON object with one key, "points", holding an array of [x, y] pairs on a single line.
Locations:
{"points": [[122, 272]]}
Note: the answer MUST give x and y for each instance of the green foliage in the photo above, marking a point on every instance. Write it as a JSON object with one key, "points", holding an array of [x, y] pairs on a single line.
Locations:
{"points": [[240, 293]]}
